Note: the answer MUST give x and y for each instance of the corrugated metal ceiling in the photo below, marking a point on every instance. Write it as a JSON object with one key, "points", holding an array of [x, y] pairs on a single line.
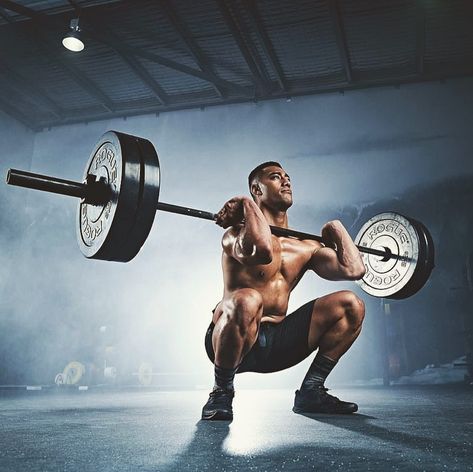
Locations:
{"points": [[155, 56]]}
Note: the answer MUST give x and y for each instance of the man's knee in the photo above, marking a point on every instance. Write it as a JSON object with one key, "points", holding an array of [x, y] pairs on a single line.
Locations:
{"points": [[338, 305], [353, 307], [244, 307]]}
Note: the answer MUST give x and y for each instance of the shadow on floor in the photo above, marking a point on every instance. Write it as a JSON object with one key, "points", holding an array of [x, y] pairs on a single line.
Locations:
{"points": [[360, 424], [206, 450]]}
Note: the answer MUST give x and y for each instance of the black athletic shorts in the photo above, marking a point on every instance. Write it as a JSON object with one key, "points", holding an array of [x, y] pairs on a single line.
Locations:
{"points": [[279, 345]]}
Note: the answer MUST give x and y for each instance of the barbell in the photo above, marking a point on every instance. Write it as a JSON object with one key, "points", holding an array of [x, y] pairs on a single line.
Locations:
{"points": [[119, 196]]}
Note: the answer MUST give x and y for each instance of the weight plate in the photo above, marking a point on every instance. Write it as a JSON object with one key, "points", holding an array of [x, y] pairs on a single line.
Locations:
{"points": [[393, 232], [425, 262], [73, 372], [116, 230], [149, 195], [59, 379]]}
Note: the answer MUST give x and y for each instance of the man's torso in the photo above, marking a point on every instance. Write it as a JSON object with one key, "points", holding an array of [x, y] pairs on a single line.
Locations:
{"points": [[274, 281]]}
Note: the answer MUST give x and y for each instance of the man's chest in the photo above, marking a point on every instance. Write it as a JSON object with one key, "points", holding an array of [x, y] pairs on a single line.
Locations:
{"points": [[290, 258]]}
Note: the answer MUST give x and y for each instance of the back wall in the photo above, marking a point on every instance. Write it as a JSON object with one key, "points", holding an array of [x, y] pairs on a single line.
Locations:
{"points": [[349, 156]]}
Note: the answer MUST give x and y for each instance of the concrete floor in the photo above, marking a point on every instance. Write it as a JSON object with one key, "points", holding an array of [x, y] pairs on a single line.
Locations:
{"points": [[408, 429]]}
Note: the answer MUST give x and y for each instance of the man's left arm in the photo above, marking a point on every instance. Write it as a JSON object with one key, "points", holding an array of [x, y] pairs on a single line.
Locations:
{"points": [[344, 263]]}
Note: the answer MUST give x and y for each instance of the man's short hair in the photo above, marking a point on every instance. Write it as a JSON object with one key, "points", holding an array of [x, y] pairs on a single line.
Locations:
{"points": [[256, 171]]}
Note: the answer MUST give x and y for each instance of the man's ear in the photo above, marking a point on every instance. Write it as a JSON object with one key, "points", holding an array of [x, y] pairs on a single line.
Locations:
{"points": [[256, 190]]}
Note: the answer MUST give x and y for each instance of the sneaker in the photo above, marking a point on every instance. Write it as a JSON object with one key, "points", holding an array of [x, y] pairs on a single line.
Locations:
{"points": [[219, 405], [317, 400]]}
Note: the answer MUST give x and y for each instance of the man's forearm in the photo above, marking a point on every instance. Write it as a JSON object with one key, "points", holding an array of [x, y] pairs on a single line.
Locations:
{"points": [[255, 236]]}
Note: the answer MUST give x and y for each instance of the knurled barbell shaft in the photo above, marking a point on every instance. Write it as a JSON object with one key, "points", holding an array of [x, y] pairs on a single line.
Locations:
{"points": [[47, 183], [205, 215], [276, 230]]}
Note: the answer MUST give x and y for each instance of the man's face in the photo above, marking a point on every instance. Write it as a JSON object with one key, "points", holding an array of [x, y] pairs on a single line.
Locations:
{"points": [[274, 188]]}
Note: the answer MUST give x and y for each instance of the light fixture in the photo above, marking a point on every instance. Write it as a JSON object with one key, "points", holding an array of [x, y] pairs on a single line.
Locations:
{"points": [[72, 39]]}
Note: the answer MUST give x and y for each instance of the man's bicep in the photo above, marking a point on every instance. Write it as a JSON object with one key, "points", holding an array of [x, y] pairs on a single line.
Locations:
{"points": [[232, 248], [228, 242], [231, 244]]}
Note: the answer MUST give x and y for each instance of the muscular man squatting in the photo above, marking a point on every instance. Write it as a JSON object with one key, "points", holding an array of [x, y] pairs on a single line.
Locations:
{"points": [[250, 331]]}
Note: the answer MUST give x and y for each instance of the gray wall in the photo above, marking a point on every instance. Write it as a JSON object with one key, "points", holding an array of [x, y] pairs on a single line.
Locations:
{"points": [[16, 144], [376, 149]]}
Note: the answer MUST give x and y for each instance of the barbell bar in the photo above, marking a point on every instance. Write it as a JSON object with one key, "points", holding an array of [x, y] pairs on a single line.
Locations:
{"points": [[119, 197], [96, 192]]}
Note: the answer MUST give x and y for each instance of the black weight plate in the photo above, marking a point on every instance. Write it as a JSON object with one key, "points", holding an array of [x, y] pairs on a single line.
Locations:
{"points": [[425, 262], [148, 198], [104, 230]]}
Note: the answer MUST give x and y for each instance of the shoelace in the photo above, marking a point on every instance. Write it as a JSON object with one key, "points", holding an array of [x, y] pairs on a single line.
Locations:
{"points": [[324, 391]]}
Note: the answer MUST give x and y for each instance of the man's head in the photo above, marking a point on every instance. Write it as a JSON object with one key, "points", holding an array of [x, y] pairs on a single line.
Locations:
{"points": [[270, 186]]}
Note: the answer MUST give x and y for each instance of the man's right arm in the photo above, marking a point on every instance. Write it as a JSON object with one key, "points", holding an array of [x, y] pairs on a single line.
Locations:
{"points": [[343, 264], [248, 240]]}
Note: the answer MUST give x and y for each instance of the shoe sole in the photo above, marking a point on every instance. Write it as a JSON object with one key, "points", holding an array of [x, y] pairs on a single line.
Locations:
{"points": [[218, 416], [301, 411]]}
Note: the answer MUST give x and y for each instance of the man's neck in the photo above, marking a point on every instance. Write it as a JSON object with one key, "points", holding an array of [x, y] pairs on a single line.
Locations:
{"points": [[275, 217]]}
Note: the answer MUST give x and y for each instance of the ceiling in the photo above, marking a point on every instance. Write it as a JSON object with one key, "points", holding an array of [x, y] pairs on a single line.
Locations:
{"points": [[162, 55]]}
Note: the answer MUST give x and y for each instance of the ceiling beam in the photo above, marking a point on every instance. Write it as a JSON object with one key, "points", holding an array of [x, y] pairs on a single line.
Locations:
{"points": [[340, 36], [50, 49], [206, 74], [76, 74], [266, 43], [244, 50], [195, 51], [138, 52], [144, 75], [391, 80], [134, 64], [152, 57], [21, 84], [105, 36], [20, 9]]}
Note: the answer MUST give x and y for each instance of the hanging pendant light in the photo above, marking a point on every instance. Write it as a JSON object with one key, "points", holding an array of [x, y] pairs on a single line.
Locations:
{"points": [[72, 39]]}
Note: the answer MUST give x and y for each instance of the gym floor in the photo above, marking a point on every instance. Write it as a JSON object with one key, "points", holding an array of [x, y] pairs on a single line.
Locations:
{"points": [[397, 428]]}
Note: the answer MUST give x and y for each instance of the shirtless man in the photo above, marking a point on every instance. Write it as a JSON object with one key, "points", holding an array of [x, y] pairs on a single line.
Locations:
{"points": [[250, 331]]}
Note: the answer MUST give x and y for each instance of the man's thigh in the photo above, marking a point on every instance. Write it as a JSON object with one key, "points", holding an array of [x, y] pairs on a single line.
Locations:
{"points": [[282, 345]]}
